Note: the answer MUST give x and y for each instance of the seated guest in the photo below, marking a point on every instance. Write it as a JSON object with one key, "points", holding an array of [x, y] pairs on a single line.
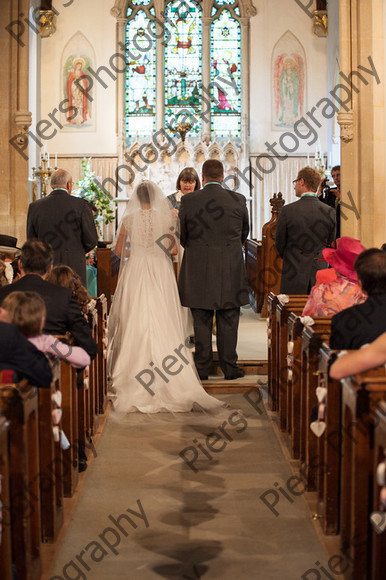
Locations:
{"points": [[369, 357], [27, 311], [19, 355], [187, 181], [9, 253], [66, 277], [63, 314], [343, 291], [91, 274], [363, 323], [6, 273]]}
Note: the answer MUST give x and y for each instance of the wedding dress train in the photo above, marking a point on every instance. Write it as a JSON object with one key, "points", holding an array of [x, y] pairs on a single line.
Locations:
{"points": [[149, 354]]}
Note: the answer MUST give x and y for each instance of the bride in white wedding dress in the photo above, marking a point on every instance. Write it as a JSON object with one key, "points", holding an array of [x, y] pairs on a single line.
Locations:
{"points": [[149, 354]]}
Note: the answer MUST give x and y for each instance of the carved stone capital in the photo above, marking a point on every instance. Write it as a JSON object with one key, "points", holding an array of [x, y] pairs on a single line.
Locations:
{"points": [[320, 18], [47, 23], [23, 120], [247, 8], [346, 123]]}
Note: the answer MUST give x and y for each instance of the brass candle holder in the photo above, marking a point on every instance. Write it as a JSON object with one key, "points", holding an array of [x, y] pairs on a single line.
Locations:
{"points": [[43, 173]]}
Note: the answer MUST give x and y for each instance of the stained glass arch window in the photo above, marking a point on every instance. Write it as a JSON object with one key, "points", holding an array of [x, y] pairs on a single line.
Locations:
{"points": [[187, 55]]}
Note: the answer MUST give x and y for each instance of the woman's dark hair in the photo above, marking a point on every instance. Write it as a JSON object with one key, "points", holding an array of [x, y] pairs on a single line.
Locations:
{"points": [[188, 174], [370, 266], [66, 277], [143, 193]]}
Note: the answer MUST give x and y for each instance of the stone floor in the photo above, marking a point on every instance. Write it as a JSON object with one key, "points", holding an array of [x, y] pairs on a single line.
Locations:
{"points": [[199, 518], [145, 512]]}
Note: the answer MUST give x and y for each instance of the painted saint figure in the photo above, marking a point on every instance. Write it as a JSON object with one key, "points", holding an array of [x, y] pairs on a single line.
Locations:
{"points": [[289, 88], [77, 85]]}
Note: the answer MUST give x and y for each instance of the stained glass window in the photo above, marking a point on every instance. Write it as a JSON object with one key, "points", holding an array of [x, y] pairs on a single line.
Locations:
{"points": [[225, 72], [140, 76], [181, 48], [183, 39]]}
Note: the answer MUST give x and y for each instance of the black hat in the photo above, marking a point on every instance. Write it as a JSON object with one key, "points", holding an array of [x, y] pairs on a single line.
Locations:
{"points": [[8, 243]]}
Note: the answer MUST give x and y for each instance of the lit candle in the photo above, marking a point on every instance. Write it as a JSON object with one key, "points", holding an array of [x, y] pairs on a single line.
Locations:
{"points": [[48, 159], [45, 150], [308, 158]]}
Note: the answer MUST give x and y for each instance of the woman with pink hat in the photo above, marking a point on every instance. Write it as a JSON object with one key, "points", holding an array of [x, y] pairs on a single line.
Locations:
{"points": [[328, 298]]}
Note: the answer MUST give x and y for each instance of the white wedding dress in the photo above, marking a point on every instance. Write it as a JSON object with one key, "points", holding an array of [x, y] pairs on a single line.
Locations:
{"points": [[149, 357]]}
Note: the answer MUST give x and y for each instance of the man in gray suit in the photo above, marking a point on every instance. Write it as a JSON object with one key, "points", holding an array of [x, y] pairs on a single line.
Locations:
{"points": [[65, 222], [214, 226], [304, 229]]}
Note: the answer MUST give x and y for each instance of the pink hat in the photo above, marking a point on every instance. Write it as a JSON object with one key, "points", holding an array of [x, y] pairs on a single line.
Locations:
{"points": [[343, 258]]}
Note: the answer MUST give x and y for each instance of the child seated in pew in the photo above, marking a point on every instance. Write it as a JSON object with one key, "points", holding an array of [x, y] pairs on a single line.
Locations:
{"points": [[6, 273], [27, 311], [343, 291], [368, 357], [68, 278]]}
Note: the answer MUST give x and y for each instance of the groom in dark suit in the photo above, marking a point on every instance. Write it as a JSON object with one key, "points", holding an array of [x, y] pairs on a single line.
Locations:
{"points": [[214, 226], [65, 222]]}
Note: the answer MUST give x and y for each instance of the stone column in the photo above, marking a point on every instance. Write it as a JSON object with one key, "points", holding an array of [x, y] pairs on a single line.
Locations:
{"points": [[160, 87], [245, 93], [206, 78], [363, 124], [120, 92], [15, 118]]}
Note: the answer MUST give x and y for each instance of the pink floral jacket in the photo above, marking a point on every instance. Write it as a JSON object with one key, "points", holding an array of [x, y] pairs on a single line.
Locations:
{"points": [[331, 297]]}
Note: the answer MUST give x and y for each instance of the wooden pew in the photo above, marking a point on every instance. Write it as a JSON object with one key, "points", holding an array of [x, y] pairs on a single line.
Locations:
{"points": [[5, 516], [272, 263], [272, 349], [102, 353], [361, 396], [70, 427], [378, 541], [108, 269], [50, 461], [92, 316], [312, 339], [329, 448], [296, 304], [295, 329], [18, 402]]}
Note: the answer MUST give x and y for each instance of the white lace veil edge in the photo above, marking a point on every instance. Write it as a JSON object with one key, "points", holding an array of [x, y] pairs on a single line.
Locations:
{"points": [[146, 196]]}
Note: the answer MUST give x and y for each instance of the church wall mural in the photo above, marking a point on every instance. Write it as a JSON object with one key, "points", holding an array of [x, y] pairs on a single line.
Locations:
{"points": [[77, 58], [288, 82]]}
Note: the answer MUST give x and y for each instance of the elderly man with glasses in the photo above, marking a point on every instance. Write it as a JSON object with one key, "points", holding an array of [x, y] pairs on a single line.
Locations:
{"points": [[304, 228]]}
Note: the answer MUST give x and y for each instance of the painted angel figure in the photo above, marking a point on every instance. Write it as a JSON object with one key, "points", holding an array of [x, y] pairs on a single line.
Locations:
{"points": [[289, 89]]}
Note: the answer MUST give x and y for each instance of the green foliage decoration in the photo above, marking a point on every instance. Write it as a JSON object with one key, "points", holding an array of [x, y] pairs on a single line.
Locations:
{"points": [[89, 187]]}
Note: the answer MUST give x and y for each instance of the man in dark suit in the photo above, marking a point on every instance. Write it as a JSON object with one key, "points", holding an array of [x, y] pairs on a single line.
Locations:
{"points": [[214, 226], [21, 356], [331, 195], [65, 222], [363, 323], [304, 229], [63, 314]]}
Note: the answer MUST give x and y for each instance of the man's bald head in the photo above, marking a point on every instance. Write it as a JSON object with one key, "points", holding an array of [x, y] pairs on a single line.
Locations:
{"points": [[61, 178]]}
